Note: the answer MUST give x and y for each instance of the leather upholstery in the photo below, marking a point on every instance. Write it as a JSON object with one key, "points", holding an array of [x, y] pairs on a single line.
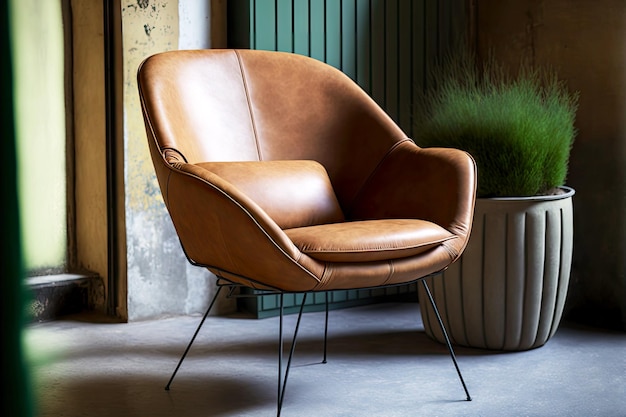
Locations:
{"points": [[280, 172], [292, 193]]}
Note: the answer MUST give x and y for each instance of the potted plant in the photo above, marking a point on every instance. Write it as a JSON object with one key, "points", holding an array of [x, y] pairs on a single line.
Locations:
{"points": [[508, 289]]}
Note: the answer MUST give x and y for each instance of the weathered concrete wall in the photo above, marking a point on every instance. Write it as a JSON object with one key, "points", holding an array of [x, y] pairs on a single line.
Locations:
{"points": [[586, 42], [160, 281]]}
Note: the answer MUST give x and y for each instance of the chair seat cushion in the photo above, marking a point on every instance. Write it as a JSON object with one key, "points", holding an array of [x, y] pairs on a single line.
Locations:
{"points": [[368, 240]]}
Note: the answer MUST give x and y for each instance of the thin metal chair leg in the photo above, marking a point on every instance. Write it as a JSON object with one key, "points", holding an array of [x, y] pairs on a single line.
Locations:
{"points": [[445, 335], [167, 387], [326, 331], [283, 385], [280, 354]]}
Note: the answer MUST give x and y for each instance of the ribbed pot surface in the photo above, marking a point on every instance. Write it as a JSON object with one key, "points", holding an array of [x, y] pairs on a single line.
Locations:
{"points": [[508, 289]]}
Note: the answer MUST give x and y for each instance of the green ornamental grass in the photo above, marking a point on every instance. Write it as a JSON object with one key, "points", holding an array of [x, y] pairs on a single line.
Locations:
{"points": [[519, 129]]}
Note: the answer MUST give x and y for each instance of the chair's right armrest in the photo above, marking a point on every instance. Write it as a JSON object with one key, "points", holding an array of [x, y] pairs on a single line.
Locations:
{"points": [[434, 184]]}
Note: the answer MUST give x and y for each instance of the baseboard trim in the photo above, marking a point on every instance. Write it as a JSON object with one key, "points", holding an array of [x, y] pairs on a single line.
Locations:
{"points": [[54, 296]]}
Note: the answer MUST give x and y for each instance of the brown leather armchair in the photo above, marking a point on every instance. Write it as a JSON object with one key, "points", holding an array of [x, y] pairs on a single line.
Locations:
{"points": [[282, 174]]}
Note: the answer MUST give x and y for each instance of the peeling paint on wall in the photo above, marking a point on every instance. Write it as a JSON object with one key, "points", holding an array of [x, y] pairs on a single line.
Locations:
{"points": [[160, 280], [146, 30], [155, 285]]}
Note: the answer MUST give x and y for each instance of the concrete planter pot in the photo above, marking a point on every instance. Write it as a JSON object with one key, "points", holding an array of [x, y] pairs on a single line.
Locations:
{"points": [[508, 289]]}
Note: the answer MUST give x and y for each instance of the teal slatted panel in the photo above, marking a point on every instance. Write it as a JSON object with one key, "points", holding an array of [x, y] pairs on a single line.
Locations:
{"points": [[264, 24], [378, 61], [348, 35], [392, 60], [386, 46], [339, 296], [317, 29], [300, 27], [318, 298], [333, 33], [363, 44], [284, 23], [405, 45]]}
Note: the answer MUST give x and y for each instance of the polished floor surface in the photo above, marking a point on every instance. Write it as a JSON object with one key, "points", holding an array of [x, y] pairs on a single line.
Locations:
{"points": [[380, 363]]}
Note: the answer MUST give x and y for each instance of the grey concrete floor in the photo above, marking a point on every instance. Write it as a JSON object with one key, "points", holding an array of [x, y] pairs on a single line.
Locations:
{"points": [[380, 363]]}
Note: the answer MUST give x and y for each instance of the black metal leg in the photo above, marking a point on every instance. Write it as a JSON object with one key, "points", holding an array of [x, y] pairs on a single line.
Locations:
{"points": [[445, 335], [282, 382], [326, 330], [167, 387], [280, 355]]}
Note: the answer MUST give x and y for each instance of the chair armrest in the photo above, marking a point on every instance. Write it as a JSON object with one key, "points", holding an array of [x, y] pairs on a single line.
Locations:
{"points": [[434, 184], [223, 229]]}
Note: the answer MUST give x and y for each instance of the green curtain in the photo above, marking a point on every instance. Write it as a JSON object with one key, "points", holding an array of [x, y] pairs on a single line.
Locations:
{"points": [[16, 390]]}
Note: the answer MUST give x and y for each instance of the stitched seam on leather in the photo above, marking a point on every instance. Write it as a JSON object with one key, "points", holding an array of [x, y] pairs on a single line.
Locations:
{"points": [[390, 274], [247, 91], [375, 171], [167, 189], [452, 253], [164, 152], [325, 278], [383, 249]]}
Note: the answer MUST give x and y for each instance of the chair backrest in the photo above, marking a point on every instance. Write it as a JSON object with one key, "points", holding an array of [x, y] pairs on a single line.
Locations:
{"points": [[246, 105]]}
